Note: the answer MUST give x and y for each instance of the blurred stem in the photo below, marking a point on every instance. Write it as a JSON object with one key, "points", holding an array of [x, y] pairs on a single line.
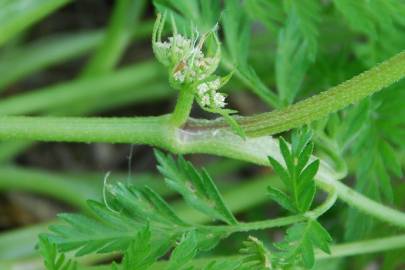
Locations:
{"points": [[17, 15], [66, 189], [43, 53], [65, 95], [149, 93], [49, 51], [74, 189], [124, 17]]}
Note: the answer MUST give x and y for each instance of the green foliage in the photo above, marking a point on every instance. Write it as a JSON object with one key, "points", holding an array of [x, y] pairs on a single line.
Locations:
{"points": [[370, 135], [370, 138], [308, 16], [191, 13], [223, 265], [132, 215], [114, 229], [17, 15], [292, 59], [311, 45], [298, 178], [52, 260], [259, 10], [299, 243], [255, 255], [196, 187], [184, 252], [237, 35], [382, 21], [141, 252]]}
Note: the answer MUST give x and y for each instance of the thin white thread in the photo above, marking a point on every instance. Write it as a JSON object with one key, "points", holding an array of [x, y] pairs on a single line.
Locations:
{"points": [[131, 151], [105, 193]]}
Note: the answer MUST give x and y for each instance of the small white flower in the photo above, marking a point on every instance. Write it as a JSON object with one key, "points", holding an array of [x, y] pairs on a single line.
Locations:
{"points": [[179, 76], [202, 88], [205, 100], [219, 100], [208, 95], [216, 84]]}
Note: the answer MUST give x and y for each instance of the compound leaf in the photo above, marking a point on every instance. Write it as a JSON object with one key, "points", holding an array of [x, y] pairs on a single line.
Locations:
{"points": [[196, 187]]}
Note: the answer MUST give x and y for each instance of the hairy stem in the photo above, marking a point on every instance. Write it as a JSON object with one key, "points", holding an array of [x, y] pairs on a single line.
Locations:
{"points": [[205, 138], [183, 107], [158, 131], [142, 130], [332, 100]]}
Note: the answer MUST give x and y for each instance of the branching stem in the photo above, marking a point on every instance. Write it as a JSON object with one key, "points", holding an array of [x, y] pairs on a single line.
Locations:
{"points": [[279, 222], [213, 137]]}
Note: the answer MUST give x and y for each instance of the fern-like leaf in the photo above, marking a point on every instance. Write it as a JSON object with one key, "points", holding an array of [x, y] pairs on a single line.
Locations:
{"points": [[52, 260], [299, 243], [255, 255], [196, 187], [298, 175], [292, 59]]}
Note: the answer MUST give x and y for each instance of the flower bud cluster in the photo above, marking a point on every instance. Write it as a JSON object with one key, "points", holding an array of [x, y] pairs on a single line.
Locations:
{"points": [[188, 64], [208, 96]]}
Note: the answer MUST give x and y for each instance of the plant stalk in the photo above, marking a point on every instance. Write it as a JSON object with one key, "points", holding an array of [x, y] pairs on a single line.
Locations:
{"points": [[330, 101], [183, 107]]}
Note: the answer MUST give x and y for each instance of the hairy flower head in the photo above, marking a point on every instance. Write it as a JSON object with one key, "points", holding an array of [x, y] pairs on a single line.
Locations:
{"points": [[187, 62]]}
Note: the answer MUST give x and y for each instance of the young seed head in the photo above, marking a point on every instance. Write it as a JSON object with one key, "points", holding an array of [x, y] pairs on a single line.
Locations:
{"points": [[184, 57]]}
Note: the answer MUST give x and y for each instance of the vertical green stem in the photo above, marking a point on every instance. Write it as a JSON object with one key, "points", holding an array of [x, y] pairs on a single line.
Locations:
{"points": [[183, 107]]}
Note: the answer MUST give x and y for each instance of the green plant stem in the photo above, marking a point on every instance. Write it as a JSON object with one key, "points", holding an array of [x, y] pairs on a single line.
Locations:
{"points": [[72, 188], [62, 188], [279, 222], [50, 51], [65, 94], [124, 18], [142, 130], [152, 92], [332, 100], [183, 107], [158, 131], [367, 205], [43, 53], [364, 247], [204, 138]]}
